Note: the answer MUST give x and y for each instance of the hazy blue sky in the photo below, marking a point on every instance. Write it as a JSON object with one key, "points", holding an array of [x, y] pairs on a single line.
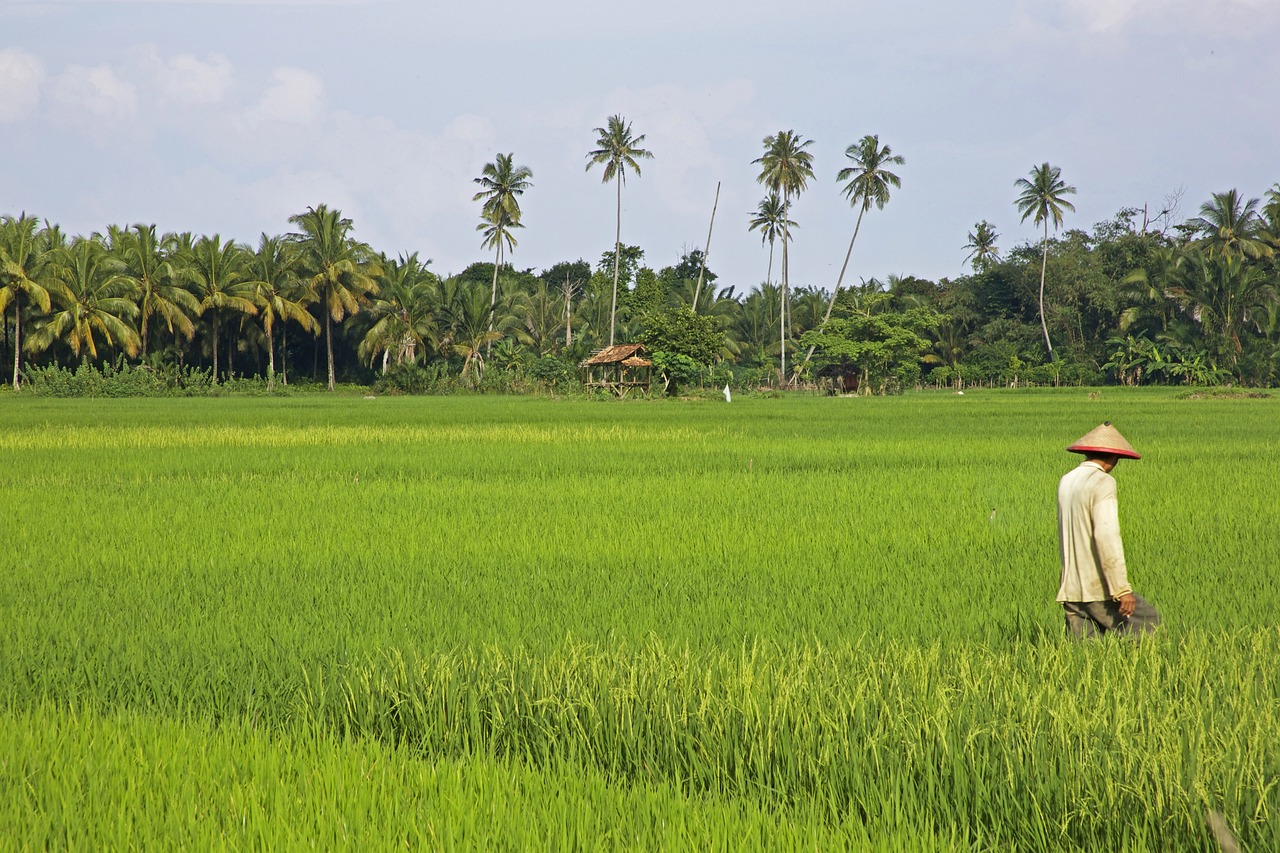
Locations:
{"points": [[229, 116]]}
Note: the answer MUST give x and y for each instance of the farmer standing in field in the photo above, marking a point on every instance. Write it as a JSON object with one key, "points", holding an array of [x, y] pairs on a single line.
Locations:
{"points": [[1095, 592]]}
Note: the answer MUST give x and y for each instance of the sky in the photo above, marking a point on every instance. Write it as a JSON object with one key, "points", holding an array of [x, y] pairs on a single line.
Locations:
{"points": [[228, 117]]}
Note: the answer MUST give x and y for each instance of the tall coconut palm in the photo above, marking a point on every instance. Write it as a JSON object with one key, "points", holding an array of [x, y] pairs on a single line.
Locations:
{"points": [[1043, 197], [279, 293], [223, 284], [93, 301], [785, 169], [869, 183], [1228, 225], [159, 283], [339, 268], [982, 245], [503, 183], [768, 218], [617, 150], [25, 272]]}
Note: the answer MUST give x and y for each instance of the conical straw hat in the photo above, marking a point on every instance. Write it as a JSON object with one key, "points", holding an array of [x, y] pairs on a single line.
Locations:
{"points": [[1104, 439]]}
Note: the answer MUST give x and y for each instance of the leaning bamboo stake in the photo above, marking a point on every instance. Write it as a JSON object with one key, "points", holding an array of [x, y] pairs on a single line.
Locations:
{"points": [[702, 268]]}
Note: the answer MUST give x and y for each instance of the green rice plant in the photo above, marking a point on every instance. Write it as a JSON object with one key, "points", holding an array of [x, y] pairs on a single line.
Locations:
{"points": [[838, 611], [86, 780]]}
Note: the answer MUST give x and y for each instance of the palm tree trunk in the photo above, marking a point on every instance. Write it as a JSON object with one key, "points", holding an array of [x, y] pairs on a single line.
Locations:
{"points": [[17, 340], [493, 298], [568, 313], [782, 313], [328, 340], [1044, 261], [617, 257], [768, 278], [271, 360], [839, 280], [782, 317], [216, 330], [284, 354], [702, 267]]}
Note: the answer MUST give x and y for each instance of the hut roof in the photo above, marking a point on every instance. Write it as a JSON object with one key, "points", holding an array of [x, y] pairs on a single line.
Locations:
{"points": [[636, 361], [617, 354]]}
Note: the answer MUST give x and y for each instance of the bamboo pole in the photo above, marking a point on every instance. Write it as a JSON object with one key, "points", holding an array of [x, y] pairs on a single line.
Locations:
{"points": [[702, 268]]}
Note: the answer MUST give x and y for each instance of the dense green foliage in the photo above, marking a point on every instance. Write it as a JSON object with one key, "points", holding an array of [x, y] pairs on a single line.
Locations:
{"points": [[1131, 301], [388, 617]]}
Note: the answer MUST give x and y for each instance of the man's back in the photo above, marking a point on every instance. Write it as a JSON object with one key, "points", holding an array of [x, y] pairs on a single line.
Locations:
{"points": [[1093, 567]]}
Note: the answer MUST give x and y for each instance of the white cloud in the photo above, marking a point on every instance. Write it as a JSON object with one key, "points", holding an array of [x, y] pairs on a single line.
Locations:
{"points": [[21, 74], [295, 97], [94, 98], [185, 79]]}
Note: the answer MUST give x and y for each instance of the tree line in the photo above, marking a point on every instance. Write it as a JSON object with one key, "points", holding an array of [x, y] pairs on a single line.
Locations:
{"points": [[1135, 299]]}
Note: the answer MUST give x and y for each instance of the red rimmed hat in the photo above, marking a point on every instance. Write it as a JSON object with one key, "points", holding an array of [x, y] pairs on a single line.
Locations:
{"points": [[1104, 438]]}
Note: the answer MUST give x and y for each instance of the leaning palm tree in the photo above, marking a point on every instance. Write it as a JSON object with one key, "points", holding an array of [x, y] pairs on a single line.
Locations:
{"points": [[221, 278], [785, 169], [503, 183], [25, 271], [617, 150], [93, 301], [982, 245], [279, 293], [339, 268], [1044, 197], [869, 183], [768, 220]]}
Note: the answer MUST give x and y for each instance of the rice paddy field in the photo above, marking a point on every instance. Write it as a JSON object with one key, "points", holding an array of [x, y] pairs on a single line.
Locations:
{"points": [[508, 623]]}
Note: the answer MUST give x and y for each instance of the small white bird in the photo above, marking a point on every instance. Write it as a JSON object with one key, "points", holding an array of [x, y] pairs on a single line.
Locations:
{"points": [[728, 398]]}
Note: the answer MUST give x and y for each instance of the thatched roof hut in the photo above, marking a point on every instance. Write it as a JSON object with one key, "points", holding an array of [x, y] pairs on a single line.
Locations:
{"points": [[619, 368]]}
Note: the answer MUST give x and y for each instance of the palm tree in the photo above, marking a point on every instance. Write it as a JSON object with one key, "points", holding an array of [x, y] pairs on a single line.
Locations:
{"points": [[159, 284], [785, 169], [869, 183], [279, 293], [25, 270], [503, 184], [92, 300], [1044, 197], [1223, 293], [617, 150], [1230, 226], [403, 313], [768, 220], [221, 276], [339, 268], [982, 245], [468, 323]]}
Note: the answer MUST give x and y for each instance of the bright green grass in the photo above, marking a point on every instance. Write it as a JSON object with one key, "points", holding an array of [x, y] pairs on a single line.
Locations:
{"points": [[125, 781], [354, 568]]}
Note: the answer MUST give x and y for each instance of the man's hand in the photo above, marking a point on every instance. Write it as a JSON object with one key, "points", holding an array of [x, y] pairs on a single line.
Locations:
{"points": [[1127, 604]]}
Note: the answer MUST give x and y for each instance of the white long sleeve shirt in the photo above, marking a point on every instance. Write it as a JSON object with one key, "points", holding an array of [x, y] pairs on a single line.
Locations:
{"points": [[1093, 566]]}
